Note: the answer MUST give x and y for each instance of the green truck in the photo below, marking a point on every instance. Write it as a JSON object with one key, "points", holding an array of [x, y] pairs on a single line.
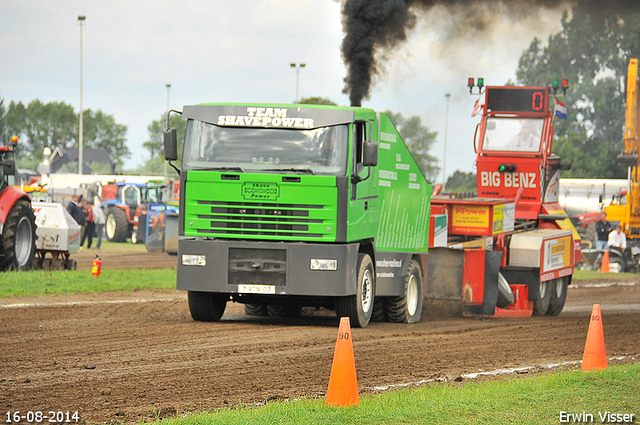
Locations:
{"points": [[284, 206]]}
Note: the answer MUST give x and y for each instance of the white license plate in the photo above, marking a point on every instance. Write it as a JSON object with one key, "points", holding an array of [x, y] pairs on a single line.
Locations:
{"points": [[256, 289]]}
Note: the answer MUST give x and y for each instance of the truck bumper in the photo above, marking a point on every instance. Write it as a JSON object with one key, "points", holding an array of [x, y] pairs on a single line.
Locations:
{"points": [[266, 268]]}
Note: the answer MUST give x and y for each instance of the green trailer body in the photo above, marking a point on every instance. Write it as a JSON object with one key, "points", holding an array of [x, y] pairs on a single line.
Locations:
{"points": [[291, 205]]}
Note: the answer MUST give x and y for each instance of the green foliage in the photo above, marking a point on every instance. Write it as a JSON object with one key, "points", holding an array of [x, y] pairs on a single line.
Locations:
{"points": [[462, 182], [419, 141], [592, 51], [155, 144], [100, 131], [317, 101], [39, 125]]}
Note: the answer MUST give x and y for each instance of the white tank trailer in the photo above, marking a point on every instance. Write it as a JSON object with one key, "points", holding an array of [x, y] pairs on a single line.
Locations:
{"points": [[58, 235]]}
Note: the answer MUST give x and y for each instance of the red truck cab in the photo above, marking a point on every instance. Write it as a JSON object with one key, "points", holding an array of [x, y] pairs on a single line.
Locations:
{"points": [[514, 145]]}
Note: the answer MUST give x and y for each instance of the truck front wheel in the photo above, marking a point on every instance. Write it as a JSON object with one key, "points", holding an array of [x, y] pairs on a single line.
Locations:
{"points": [[19, 237], [407, 308], [207, 306], [359, 307]]}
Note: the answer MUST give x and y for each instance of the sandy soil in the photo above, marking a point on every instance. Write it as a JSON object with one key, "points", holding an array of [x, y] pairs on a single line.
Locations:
{"points": [[138, 355]]}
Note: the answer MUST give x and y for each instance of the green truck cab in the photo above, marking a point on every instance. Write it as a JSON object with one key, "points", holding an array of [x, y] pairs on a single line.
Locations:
{"points": [[284, 206]]}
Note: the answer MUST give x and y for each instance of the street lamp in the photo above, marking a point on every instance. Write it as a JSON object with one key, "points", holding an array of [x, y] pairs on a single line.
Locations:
{"points": [[297, 68], [444, 158], [81, 20], [168, 89]]}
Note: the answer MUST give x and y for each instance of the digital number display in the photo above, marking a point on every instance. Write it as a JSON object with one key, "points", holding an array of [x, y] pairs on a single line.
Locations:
{"points": [[517, 100]]}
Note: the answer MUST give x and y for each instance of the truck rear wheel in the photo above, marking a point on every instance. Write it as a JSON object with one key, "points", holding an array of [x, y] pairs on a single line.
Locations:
{"points": [[379, 310], [359, 307], [117, 225], [19, 237], [251, 309], [207, 306], [558, 295], [407, 308], [281, 310], [541, 305]]}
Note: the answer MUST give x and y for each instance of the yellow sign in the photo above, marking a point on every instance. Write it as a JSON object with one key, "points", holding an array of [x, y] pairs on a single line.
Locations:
{"points": [[470, 216], [557, 253]]}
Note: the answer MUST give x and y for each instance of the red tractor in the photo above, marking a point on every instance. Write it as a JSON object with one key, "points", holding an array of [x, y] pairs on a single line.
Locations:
{"points": [[514, 156], [510, 251], [125, 203], [17, 221], [120, 203]]}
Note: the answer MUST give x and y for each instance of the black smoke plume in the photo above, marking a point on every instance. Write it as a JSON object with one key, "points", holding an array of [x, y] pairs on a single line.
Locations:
{"points": [[373, 28]]}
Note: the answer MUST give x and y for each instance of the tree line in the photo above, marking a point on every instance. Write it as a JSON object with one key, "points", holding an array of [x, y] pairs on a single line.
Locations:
{"points": [[38, 125]]}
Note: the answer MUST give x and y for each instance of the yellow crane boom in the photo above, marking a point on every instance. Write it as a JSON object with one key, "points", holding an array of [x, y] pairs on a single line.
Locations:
{"points": [[629, 215]]}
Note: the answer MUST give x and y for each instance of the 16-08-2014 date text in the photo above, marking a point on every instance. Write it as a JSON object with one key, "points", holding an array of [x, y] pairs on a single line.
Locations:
{"points": [[38, 416]]}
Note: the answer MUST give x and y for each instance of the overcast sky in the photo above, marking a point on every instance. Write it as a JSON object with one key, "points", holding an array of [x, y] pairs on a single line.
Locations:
{"points": [[240, 51]]}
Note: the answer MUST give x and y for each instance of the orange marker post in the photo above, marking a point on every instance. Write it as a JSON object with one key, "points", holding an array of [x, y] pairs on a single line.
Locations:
{"points": [[604, 267], [595, 356], [343, 382]]}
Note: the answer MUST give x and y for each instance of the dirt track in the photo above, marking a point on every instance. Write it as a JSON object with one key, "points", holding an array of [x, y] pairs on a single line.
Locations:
{"points": [[134, 355]]}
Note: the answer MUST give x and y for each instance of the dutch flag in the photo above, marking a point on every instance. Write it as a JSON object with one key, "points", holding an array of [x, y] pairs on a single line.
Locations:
{"points": [[561, 110]]}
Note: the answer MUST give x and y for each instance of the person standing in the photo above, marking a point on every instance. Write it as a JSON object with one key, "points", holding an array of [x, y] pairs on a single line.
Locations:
{"points": [[603, 228], [90, 225], [99, 220], [75, 210]]}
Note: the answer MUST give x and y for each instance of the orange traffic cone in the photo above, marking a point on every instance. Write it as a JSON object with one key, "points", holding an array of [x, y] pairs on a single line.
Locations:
{"points": [[595, 356], [343, 383], [604, 267]]}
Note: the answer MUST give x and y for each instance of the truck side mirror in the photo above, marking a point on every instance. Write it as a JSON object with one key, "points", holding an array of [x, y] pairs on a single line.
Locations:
{"points": [[8, 167], [170, 144], [370, 153]]}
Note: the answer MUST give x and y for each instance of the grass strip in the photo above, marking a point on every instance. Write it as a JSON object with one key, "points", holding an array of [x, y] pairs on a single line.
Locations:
{"points": [[595, 274], [531, 400], [38, 282]]}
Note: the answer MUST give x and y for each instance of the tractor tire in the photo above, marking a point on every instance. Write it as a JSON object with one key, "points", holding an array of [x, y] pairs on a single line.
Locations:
{"points": [[541, 305], [134, 237], [207, 306], [407, 308], [251, 309], [117, 225], [558, 295], [359, 307], [620, 266], [19, 237]]}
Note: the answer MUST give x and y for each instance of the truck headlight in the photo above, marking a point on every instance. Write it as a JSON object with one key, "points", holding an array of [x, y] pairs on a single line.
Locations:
{"points": [[323, 264], [194, 260]]}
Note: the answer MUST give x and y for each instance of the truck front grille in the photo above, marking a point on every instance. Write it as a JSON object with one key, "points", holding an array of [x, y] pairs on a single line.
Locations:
{"points": [[247, 218]]}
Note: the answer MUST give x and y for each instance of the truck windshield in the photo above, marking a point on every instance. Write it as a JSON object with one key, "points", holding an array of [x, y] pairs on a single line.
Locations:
{"points": [[318, 151], [513, 134]]}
